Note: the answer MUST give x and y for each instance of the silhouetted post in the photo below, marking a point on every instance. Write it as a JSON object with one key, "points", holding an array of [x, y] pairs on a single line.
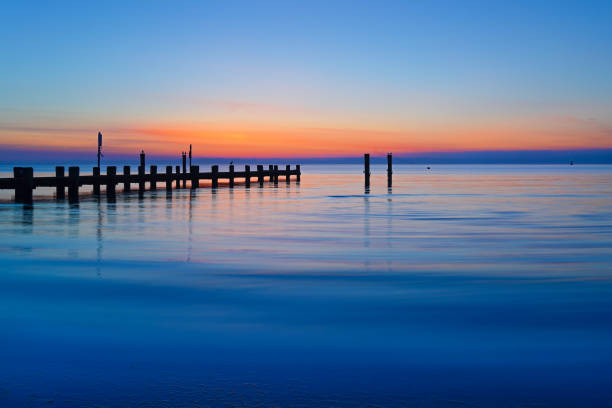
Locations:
{"points": [[215, 176], [231, 176], [142, 158], [73, 184], [247, 175], [184, 170], [153, 183], [275, 174], [60, 192], [389, 170], [96, 181], [141, 179], [178, 176], [366, 171], [271, 171], [260, 175], [126, 178], [111, 173], [288, 176], [299, 172], [24, 183], [195, 177], [168, 178]]}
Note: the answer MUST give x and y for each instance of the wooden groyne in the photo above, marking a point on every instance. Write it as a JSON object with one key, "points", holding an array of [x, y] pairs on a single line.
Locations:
{"points": [[24, 181]]}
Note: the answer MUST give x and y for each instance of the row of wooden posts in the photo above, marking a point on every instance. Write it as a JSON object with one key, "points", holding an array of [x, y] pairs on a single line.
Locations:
{"points": [[366, 170], [24, 181]]}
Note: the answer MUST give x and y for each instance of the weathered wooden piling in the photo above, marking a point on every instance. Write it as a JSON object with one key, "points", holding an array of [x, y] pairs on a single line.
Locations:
{"points": [[127, 185], [60, 191], [260, 175], [141, 179], [275, 174], [231, 176], [247, 175], [288, 176], [389, 170], [73, 184], [215, 176], [153, 182], [178, 176], [366, 171], [96, 182], [111, 181], [195, 177], [168, 179], [299, 172]]}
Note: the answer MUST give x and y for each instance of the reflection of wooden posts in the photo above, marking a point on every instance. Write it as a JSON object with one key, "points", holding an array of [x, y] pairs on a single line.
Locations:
{"points": [[141, 179], [111, 173], [178, 176], [288, 171], [73, 184], [247, 175], [389, 170], [60, 191], [169, 179], [366, 171], [184, 171], [275, 174], [231, 176], [299, 172], [215, 176], [126, 178], [153, 175], [271, 172], [96, 181], [260, 175], [195, 177]]}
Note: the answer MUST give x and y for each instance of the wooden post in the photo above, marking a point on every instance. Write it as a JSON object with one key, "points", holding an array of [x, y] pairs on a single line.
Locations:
{"points": [[60, 191], [271, 171], [96, 181], [142, 158], [141, 179], [126, 178], [184, 171], [178, 176], [288, 176], [366, 171], [389, 170], [73, 184], [247, 175], [299, 172], [195, 177], [153, 182], [231, 176], [215, 176], [18, 176], [275, 174], [260, 176], [111, 180], [28, 184], [169, 179]]}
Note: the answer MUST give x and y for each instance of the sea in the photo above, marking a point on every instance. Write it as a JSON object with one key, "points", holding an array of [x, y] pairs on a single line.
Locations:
{"points": [[459, 286]]}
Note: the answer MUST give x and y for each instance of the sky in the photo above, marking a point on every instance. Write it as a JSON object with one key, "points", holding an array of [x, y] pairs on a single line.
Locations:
{"points": [[305, 79]]}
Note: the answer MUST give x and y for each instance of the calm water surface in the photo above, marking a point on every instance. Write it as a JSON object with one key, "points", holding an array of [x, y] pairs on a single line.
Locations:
{"points": [[463, 286]]}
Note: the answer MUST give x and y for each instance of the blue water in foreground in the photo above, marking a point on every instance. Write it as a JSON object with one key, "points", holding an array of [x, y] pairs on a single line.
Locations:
{"points": [[463, 286]]}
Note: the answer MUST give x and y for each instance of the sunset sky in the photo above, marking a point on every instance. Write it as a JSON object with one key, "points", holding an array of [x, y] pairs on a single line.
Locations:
{"points": [[306, 79]]}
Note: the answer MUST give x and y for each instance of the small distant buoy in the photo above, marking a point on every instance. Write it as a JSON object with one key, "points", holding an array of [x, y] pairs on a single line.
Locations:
{"points": [[571, 162], [428, 168]]}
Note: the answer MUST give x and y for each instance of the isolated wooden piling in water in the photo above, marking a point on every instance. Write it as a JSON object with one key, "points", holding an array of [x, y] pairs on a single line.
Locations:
{"points": [[247, 175], [231, 175], [178, 176], [60, 192], [96, 181], [195, 177], [141, 179], [260, 175], [111, 180], [215, 176], [153, 182], [169, 179], [73, 184], [389, 170], [366, 171], [288, 177], [126, 178], [299, 172]]}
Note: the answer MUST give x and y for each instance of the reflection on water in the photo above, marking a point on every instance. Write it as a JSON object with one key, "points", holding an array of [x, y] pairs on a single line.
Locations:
{"points": [[487, 286]]}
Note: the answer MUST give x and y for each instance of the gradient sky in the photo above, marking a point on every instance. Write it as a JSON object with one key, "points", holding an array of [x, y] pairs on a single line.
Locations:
{"points": [[286, 78]]}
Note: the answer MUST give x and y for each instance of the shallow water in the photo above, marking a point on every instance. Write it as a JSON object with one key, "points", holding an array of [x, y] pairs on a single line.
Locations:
{"points": [[463, 285]]}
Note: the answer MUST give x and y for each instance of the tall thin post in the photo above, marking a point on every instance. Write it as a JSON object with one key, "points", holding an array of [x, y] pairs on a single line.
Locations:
{"points": [[275, 174], [288, 172], [111, 180], [389, 170], [73, 184], [215, 176], [366, 171], [141, 179], [96, 181], [60, 191], [299, 172], [168, 179], [142, 158], [231, 176], [247, 175], [184, 170], [260, 175], [178, 176], [127, 186], [153, 183]]}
